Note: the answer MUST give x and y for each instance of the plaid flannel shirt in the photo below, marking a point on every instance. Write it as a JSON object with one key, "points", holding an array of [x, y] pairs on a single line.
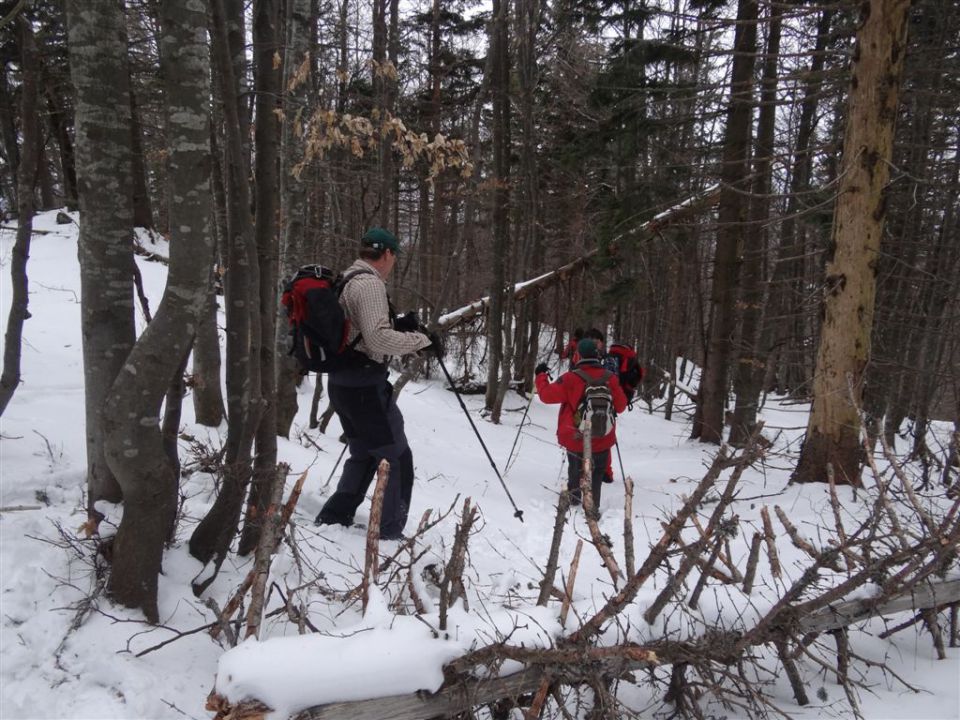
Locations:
{"points": [[364, 300]]}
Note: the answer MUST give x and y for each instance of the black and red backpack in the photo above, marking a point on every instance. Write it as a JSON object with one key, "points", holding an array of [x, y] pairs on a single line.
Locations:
{"points": [[629, 371], [319, 329]]}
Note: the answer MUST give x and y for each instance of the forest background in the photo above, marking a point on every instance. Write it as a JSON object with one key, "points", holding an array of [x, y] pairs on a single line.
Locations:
{"points": [[766, 191]]}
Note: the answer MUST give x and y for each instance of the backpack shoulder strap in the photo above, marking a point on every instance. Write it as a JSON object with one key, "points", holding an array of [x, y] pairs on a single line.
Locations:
{"points": [[590, 380], [339, 287], [342, 283]]}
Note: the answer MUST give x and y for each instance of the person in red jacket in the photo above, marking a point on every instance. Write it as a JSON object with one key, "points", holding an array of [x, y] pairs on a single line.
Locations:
{"points": [[570, 349], [567, 391]]}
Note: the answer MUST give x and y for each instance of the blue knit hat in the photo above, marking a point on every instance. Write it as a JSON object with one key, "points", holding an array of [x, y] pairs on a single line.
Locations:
{"points": [[380, 239], [587, 348]]}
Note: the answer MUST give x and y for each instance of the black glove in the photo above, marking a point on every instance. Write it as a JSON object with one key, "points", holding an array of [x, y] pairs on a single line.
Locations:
{"points": [[436, 344], [408, 322], [541, 368]]}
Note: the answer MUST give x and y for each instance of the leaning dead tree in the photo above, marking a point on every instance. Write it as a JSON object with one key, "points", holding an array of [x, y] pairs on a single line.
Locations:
{"points": [[890, 548], [532, 288]]}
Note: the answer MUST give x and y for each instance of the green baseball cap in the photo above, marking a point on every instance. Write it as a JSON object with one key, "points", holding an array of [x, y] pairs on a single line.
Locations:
{"points": [[380, 239]]}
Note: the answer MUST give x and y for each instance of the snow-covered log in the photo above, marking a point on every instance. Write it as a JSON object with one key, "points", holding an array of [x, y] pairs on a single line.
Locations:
{"points": [[568, 664]]}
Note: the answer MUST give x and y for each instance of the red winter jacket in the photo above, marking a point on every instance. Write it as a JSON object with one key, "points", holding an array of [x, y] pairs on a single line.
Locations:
{"points": [[567, 391]]}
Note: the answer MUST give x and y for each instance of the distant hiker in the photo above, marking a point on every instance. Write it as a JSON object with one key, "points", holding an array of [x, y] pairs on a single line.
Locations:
{"points": [[601, 340], [569, 391], [362, 395], [609, 364], [570, 349], [628, 368]]}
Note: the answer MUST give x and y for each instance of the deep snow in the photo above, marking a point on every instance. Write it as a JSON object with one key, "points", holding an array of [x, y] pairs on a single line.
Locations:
{"points": [[50, 668]]}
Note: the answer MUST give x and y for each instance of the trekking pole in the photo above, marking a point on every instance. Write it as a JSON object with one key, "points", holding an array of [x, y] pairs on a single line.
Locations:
{"points": [[518, 513], [506, 467], [336, 465], [623, 475]]}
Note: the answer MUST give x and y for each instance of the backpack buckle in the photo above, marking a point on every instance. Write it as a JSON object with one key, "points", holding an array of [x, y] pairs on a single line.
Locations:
{"points": [[319, 272]]}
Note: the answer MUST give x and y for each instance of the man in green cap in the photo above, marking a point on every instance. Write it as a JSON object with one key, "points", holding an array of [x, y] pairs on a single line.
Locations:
{"points": [[362, 395]]}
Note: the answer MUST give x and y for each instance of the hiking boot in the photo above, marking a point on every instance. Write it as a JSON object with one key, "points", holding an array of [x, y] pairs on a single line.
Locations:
{"points": [[322, 519]]}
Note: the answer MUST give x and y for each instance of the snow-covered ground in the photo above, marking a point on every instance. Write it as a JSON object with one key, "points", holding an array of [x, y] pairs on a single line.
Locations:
{"points": [[64, 657]]}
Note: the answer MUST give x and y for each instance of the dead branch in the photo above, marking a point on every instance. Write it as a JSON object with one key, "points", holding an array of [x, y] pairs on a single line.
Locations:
{"points": [[657, 553], [452, 584], [752, 563], [629, 559], [749, 454], [271, 528], [563, 505], [771, 541], [371, 566], [590, 513], [798, 541], [234, 603]]}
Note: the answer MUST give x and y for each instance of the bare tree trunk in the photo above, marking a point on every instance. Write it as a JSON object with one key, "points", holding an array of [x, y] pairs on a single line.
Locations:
{"points": [[497, 318], [708, 426], [212, 537], [8, 141], [56, 114], [293, 191], [267, 41], [26, 170], [135, 445], [98, 50], [833, 431], [205, 374], [784, 357], [142, 210], [749, 371]]}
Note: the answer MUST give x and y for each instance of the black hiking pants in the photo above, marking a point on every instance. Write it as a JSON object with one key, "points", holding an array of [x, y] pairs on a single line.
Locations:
{"points": [[575, 470], [373, 425]]}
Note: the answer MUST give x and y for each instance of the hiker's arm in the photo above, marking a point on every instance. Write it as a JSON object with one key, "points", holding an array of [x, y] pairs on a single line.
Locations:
{"points": [[550, 392], [367, 304]]}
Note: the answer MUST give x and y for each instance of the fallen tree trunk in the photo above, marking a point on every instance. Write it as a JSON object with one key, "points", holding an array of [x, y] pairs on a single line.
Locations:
{"points": [[529, 288], [574, 665]]}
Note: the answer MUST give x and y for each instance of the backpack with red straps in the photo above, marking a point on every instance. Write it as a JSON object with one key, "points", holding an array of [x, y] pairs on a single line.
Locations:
{"points": [[318, 326], [629, 371]]}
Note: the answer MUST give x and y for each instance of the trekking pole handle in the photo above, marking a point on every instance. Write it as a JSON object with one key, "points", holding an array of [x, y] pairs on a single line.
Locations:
{"points": [[518, 512]]}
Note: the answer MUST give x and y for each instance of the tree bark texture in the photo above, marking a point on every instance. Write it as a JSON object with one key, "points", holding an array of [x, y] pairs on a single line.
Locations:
{"points": [[749, 371], [268, 83], [98, 50], [501, 202], [293, 191], [833, 431], [134, 442], [26, 179], [212, 537], [732, 213]]}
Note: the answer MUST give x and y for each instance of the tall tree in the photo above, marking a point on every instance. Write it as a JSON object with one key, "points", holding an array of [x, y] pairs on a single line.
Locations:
{"points": [[499, 322], [833, 431], [268, 83], [732, 214], [211, 539], [98, 50], [297, 85], [134, 442], [748, 373], [26, 172]]}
